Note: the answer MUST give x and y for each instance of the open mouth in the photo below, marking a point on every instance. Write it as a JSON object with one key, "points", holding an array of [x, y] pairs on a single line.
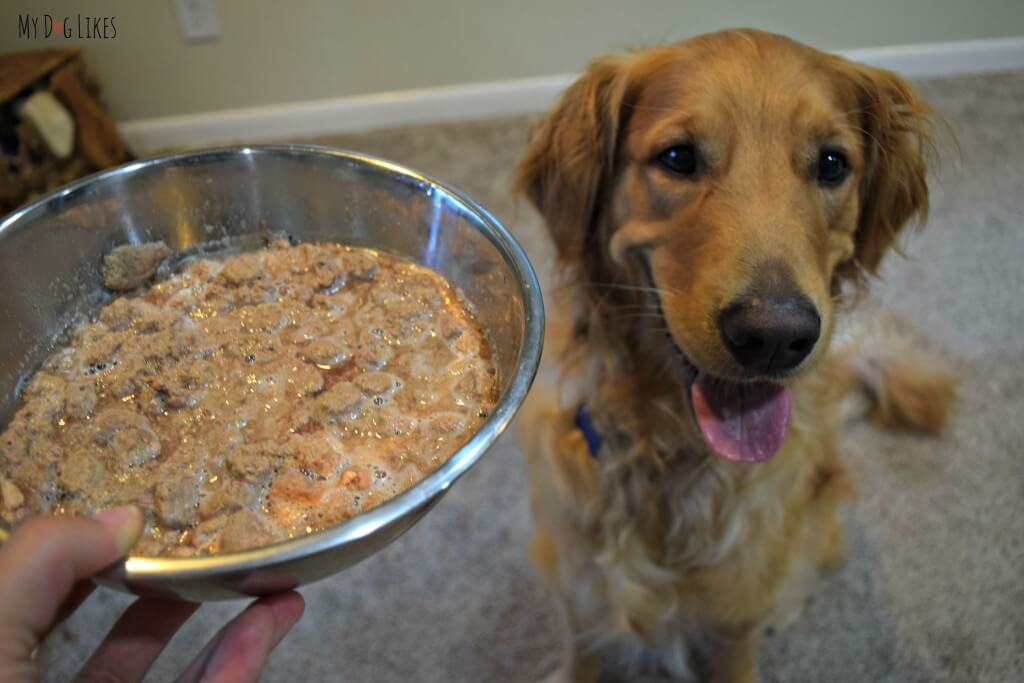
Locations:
{"points": [[741, 421]]}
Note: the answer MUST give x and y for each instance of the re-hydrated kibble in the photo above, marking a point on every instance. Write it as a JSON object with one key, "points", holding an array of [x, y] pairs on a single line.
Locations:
{"points": [[252, 400]]}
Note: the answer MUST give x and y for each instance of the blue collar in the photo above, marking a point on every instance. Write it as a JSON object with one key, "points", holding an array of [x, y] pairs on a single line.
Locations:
{"points": [[586, 427]]}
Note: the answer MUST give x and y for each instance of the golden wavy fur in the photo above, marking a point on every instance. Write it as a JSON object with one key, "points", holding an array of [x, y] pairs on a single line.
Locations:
{"points": [[656, 548]]}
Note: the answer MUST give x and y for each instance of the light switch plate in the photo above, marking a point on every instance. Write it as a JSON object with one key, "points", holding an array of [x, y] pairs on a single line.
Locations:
{"points": [[198, 19]]}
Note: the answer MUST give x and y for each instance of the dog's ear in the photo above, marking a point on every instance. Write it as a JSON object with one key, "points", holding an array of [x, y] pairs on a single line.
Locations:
{"points": [[895, 125], [571, 155]]}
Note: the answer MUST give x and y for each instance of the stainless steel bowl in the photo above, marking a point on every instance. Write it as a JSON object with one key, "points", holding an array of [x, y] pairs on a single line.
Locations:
{"points": [[50, 253]]}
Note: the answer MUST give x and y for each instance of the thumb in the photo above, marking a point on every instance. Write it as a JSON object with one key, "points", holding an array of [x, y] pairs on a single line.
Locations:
{"points": [[43, 559]]}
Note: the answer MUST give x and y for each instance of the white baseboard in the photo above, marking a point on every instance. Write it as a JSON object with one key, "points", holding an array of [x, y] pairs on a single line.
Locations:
{"points": [[496, 98], [932, 60], [345, 114]]}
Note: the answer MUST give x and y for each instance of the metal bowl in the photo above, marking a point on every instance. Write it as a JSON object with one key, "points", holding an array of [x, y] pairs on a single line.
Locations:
{"points": [[50, 253]]}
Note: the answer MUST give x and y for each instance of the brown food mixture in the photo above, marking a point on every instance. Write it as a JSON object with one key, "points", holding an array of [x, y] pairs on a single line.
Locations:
{"points": [[252, 400]]}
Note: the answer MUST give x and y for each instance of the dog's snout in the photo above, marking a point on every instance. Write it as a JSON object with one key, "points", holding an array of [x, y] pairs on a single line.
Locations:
{"points": [[770, 335]]}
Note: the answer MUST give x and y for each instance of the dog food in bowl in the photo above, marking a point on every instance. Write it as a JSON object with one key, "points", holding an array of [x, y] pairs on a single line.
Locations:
{"points": [[247, 401]]}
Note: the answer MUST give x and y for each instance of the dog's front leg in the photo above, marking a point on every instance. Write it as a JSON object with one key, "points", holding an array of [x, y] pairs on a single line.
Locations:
{"points": [[735, 656], [576, 667], [580, 664]]}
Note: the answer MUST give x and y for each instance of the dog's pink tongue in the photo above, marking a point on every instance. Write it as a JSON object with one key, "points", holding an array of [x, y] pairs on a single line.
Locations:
{"points": [[741, 422]]}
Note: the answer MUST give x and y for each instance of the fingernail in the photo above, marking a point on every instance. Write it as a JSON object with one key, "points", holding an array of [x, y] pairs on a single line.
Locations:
{"points": [[126, 522]]}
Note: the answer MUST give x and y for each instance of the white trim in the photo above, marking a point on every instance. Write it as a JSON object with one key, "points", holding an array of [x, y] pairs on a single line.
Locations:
{"points": [[930, 60], [497, 98], [345, 114]]}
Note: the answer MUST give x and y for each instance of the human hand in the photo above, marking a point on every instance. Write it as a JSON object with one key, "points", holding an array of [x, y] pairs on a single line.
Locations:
{"points": [[44, 569]]}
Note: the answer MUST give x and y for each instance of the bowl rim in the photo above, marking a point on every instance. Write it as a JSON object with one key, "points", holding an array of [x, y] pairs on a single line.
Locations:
{"points": [[152, 570]]}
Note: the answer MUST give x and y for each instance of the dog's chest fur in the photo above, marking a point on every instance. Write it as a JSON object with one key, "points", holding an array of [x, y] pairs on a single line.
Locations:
{"points": [[654, 552]]}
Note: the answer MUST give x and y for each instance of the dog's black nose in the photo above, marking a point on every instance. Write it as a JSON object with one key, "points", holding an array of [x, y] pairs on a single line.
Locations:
{"points": [[772, 334]]}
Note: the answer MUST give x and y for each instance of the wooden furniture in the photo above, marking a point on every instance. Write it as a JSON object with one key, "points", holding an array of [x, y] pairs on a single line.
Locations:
{"points": [[28, 168]]}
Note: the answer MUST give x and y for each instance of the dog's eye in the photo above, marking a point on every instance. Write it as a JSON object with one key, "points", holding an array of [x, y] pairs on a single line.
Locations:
{"points": [[832, 168], [681, 159]]}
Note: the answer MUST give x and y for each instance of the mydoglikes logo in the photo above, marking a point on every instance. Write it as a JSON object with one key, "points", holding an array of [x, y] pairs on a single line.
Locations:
{"points": [[81, 26]]}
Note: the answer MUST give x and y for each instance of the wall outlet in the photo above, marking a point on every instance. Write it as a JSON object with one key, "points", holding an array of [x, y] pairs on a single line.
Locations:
{"points": [[198, 19]]}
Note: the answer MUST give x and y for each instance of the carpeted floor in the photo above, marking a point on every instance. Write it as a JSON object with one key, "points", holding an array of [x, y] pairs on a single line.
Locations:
{"points": [[934, 589]]}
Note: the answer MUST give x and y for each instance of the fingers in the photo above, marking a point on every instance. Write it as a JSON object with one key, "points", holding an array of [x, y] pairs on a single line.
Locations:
{"points": [[236, 654], [42, 568], [41, 562], [136, 640]]}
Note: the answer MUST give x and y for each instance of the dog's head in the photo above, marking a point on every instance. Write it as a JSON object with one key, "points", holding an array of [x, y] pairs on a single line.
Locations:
{"points": [[726, 187]]}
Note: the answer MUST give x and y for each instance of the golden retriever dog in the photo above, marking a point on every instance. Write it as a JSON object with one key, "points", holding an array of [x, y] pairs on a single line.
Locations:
{"points": [[712, 203]]}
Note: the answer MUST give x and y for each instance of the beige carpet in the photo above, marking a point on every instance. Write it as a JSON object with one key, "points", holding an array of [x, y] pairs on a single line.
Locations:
{"points": [[933, 591]]}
